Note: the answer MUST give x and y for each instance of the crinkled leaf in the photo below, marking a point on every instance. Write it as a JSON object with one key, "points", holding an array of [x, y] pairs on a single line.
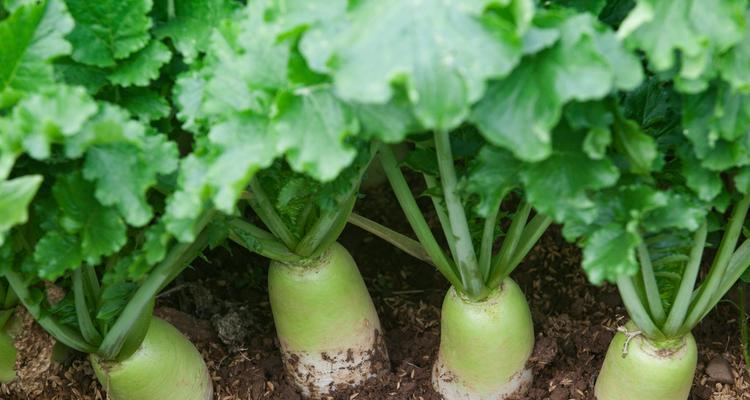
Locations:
{"points": [[558, 185], [141, 67], [41, 120], [108, 30], [519, 111], [716, 122], [733, 64], [444, 51], [695, 28], [145, 103], [56, 253], [681, 212], [637, 147], [137, 169], [15, 197], [610, 253], [235, 151], [492, 176], [312, 128], [191, 22], [31, 37], [100, 229]]}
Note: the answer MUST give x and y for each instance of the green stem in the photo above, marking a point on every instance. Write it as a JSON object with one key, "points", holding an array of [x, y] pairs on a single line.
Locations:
{"points": [[262, 206], [488, 241], [636, 310], [468, 266], [160, 277], [260, 241], [530, 236], [501, 261], [60, 332], [323, 227], [652, 288], [91, 283], [442, 215], [679, 309], [415, 217], [11, 299], [171, 10], [337, 226], [402, 242], [709, 290], [89, 331], [739, 262]]}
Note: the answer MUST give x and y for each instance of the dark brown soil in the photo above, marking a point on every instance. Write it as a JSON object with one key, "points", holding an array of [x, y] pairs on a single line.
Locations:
{"points": [[222, 306]]}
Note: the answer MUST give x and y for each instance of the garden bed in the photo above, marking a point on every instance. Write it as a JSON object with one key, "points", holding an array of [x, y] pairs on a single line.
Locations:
{"points": [[229, 320]]}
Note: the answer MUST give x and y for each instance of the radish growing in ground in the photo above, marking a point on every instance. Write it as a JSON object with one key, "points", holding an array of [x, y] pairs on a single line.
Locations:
{"points": [[682, 189], [274, 147], [431, 73], [310, 275]]}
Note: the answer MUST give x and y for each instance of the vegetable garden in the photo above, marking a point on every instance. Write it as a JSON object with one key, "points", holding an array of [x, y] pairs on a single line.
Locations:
{"points": [[407, 199]]}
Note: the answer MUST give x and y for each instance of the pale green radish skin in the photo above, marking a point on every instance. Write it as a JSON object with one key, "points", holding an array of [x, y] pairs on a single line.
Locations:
{"points": [[484, 346], [165, 366], [7, 357], [647, 371], [326, 322]]}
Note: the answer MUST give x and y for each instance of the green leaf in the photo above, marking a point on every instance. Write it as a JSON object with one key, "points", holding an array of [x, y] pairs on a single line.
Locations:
{"points": [[108, 30], [639, 148], [29, 39], [390, 122], [492, 176], [733, 64], [191, 22], [681, 211], [694, 28], [559, 185], [137, 170], [155, 246], [141, 67], [596, 143], [296, 14], [114, 298], [443, 51], [145, 104], [100, 229], [716, 123], [519, 111], [610, 253], [220, 170], [706, 184], [742, 180], [312, 128], [15, 197], [77, 74], [56, 253], [41, 120]]}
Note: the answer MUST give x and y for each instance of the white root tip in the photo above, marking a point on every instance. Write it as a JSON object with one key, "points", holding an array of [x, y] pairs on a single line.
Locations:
{"points": [[319, 374], [451, 387]]}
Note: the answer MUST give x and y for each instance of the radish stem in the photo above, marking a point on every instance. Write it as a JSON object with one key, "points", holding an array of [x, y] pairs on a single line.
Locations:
{"points": [[468, 266]]}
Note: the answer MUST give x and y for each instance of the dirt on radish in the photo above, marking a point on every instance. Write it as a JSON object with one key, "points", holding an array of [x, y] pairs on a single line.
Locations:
{"points": [[229, 320]]}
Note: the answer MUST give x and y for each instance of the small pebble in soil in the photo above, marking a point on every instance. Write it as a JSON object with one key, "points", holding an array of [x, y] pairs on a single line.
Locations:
{"points": [[560, 393], [720, 370]]}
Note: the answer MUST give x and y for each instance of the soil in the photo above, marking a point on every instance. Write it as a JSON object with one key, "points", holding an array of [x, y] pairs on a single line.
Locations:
{"points": [[222, 306]]}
